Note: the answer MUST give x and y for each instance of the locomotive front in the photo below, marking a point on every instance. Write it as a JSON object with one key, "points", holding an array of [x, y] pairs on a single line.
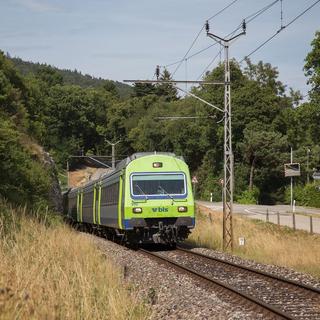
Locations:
{"points": [[158, 205]]}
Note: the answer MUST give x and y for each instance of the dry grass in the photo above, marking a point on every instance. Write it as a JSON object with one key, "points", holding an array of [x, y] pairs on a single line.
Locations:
{"points": [[265, 242], [56, 273]]}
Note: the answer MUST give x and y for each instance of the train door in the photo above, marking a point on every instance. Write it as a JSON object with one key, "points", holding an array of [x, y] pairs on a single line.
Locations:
{"points": [[79, 205], [96, 203]]}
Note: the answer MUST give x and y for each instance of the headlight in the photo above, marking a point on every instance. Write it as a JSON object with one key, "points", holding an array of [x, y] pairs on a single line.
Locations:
{"points": [[182, 209], [157, 164], [137, 210]]}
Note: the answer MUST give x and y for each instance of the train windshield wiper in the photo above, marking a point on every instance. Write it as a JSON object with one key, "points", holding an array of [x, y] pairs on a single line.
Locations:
{"points": [[142, 191], [167, 193]]}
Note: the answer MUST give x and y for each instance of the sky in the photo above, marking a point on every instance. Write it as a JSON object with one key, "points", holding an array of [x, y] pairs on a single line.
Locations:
{"points": [[126, 39]]}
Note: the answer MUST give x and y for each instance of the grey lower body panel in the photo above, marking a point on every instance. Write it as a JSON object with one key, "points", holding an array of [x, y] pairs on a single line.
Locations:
{"points": [[87, 215], [109, 216], [148, 222]]}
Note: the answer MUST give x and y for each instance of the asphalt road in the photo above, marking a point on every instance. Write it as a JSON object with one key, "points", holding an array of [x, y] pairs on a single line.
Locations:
{"points": [[260, 212]]}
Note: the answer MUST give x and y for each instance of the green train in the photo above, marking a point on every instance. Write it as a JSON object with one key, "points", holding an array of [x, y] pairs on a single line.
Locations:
{"points": [[146, 199]]}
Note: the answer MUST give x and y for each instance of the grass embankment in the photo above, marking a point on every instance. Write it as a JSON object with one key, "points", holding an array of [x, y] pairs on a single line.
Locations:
{"points": [[265, 242], [48, 271]]}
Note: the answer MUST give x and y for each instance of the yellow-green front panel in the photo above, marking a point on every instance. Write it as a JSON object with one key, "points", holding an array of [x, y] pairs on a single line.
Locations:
{"points": [[158, 208]]}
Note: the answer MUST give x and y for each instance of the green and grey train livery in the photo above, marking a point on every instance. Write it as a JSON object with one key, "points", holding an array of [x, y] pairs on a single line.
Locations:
{"points": [[147, 198]]}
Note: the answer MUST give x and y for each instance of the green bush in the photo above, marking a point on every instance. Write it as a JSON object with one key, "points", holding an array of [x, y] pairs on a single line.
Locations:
{"points": [[24, 180], [249, 196], [307, 195]]}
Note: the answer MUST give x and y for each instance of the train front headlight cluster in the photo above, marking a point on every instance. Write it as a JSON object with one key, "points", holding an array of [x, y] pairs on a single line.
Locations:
{"points": [[137, 210], [182, 209]]}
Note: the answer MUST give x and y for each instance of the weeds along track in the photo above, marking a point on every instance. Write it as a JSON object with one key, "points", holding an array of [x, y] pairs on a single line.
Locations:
{"points": [[273, 296]]}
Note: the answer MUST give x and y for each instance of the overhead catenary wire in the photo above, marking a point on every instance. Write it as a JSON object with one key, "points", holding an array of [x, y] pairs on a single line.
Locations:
{"points": [[184, 57], [281, 14], [248, 19], [197, 36], [279, 30], [211, 62], [223, 9], [219, 52]]}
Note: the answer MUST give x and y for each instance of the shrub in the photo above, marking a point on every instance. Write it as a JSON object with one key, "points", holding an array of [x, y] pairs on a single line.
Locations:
{"points": [[308, 195], [23, 179], [249, 196]]}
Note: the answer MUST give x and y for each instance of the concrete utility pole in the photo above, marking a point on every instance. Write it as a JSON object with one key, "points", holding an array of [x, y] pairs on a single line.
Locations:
{"points": [[291, 181], [68, 175], [113, 152], [308, 153], [228, 154]]}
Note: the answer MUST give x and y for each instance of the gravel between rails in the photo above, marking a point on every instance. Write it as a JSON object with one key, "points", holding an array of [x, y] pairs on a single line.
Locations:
{"points": [[273, 269], [170, 294], [173, 295], [299, 303]]}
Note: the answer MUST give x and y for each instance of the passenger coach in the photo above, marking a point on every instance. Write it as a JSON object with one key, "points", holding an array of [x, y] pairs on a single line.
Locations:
{"points": [[148, 198]]}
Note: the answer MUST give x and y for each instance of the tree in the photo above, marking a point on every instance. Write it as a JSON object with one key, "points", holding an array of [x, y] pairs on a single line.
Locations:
{"points": [[109, 86], [263, 151], [166, 90], [49, 75], [143, 89], [312, 68], [265, 75]]}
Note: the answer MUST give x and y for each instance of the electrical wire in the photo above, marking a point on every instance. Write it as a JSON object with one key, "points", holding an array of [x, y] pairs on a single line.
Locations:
{"points": [[184, 57], [278, 31], [218, 54], [248, 19], [197, 36], [209, 65], [225, 8], [259, 12]]}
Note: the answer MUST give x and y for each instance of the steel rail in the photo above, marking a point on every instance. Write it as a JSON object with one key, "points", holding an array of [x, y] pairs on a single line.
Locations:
{"points": [[250, 298], [253, 270]]}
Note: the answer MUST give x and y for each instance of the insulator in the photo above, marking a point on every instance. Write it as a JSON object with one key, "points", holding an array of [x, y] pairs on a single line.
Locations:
{"points": [[244, 25], [157, 72], [207, 26]]}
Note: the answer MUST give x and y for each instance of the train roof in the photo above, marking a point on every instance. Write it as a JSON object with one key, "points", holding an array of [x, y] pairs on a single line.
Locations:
{"points": [[123, 163]]}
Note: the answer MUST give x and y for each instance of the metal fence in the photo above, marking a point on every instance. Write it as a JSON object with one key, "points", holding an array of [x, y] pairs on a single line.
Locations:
{"points": [[306, 222]]}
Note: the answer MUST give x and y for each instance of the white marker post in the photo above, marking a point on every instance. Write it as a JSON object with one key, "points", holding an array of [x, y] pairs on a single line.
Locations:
{"points": [[194, 182]]}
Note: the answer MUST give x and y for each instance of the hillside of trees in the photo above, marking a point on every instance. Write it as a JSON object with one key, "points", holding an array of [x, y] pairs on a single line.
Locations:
{"points": [[74, 77], [66, 116]]}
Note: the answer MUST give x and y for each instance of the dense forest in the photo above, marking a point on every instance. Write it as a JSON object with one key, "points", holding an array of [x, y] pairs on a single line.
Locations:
{"points": [[70, 77], [65, 112]]}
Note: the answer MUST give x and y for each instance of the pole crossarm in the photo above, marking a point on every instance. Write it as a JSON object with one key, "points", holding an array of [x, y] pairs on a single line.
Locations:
{"points": [[182, 117], [177, 81], [215, 37], [200, 99], [93, 159], [113, 152], [105, 165], [173, 82], [112, 144]]}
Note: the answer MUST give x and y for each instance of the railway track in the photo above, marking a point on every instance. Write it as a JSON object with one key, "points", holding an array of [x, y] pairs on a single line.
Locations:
{"points": [[273, 296]]}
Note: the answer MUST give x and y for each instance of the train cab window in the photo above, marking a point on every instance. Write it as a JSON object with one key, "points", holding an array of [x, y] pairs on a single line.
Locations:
{"points": [[160, 184]]}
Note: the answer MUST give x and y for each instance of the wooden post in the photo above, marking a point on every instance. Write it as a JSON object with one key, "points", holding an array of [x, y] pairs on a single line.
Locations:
{"points": [[210, 217], [294, 221], [278, 218], [311, 225], [267, 218]]}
